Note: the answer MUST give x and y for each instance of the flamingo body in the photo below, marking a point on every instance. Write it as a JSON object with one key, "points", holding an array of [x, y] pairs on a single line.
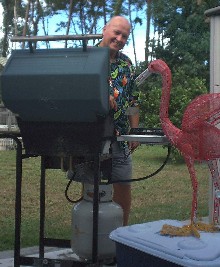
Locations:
{"points": [[198, 138]]}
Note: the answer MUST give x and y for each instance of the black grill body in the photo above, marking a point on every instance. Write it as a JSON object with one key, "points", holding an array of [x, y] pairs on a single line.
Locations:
{"points": [[60, 98]]}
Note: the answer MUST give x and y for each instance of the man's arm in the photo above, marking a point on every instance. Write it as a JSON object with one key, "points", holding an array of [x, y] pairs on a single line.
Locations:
{"points": [[134, 123], [134, 117]]}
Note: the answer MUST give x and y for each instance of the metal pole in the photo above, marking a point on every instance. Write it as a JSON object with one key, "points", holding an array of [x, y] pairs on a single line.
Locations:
{"points": [[55, 38], [214, 15], [96, 209], [17, 242], [42, 208]]}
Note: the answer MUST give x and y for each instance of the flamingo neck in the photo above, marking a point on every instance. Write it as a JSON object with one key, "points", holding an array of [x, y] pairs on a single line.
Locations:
{"points": [[165, 97]]}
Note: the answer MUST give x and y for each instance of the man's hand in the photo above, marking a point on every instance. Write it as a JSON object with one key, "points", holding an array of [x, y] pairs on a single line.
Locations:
{"points": [[133, 145], [134, 122], [112, 103]]}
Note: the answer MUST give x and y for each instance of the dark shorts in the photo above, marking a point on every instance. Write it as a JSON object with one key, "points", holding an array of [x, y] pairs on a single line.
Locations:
{"points": [[121, 163], [119, 170]]}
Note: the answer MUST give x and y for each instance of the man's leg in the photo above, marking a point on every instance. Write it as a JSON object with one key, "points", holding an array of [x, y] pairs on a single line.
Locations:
{"points": [[122, 196], [122, 171]]}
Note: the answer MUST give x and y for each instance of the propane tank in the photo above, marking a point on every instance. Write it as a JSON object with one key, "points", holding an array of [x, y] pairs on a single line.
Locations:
{"points": [[110, 217]]}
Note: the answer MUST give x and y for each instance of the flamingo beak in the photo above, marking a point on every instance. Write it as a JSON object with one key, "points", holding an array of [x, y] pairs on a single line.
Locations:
{"points": [[142, 77]]}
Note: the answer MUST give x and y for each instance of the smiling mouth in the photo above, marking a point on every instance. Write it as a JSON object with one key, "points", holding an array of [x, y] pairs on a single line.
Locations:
{"points": [[118, 44]]}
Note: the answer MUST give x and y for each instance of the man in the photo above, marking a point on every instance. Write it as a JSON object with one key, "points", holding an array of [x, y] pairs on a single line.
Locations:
{"points": [[115, 36]]}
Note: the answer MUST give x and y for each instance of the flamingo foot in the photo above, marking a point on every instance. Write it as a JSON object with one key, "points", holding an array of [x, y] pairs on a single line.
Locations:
{"points": [[206, 227], [188, 230]]}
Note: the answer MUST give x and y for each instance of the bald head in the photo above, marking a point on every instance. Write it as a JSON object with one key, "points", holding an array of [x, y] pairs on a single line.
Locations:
{"points": [[115, 34], [120, 20]]}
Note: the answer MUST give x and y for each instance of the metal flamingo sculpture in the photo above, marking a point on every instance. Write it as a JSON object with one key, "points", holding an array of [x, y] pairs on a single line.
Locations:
{"points": [[197, 140]]}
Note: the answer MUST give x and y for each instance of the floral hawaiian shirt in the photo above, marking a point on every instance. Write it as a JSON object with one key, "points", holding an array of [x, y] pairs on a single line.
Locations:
{"points": [[122, 88]]}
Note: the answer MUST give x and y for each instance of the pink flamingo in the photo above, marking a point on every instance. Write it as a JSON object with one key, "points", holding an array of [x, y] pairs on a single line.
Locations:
{"points": [[197, 140]]}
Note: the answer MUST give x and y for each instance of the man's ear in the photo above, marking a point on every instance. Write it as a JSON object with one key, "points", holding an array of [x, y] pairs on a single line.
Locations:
{"points": [[103, 29]]}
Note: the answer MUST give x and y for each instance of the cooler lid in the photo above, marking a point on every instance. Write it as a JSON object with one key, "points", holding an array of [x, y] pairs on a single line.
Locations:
{"points": [[185, 251]]}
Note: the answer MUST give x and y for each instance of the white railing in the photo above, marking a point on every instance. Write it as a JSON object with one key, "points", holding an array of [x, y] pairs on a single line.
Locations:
{"points": [[7, 144], [7, 124], [214, 15]]}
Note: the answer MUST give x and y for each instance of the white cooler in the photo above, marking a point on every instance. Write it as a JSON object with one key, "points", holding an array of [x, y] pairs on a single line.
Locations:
{"points": [[141, 245]]}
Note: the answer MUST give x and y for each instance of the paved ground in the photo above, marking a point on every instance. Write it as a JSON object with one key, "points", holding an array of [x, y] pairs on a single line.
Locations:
{"points": [[6, 257], [7, 260]]}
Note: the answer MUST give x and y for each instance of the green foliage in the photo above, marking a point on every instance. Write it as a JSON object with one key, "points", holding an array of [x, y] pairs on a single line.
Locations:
{"points": [[184, 90], [184, 35], [7, 25]]}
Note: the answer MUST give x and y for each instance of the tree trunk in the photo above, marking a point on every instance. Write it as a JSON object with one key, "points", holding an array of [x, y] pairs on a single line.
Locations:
{"points": [[132, 32], [15, 18], [26, 21], [6, 28], [69, 20], [118, 7], [149, 14]]}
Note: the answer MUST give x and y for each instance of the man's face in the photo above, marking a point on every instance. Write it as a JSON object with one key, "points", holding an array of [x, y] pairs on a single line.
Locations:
{"points": [[115, 34]]}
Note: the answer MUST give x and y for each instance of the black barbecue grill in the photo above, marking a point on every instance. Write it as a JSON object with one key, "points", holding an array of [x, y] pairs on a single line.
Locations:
{"points": [[60, 98]]}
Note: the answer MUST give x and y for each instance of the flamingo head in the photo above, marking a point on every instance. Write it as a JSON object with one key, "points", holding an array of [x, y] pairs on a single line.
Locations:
{"points": [[159, 66]]}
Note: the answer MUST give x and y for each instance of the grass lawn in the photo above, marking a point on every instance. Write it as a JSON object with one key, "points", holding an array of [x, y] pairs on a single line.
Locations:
{"points": [[165, 196]]}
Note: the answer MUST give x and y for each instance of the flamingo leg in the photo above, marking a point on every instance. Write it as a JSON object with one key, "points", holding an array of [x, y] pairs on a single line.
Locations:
{"points": [[190, 165], [195, 227], [214, 169], [190, 229]]}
